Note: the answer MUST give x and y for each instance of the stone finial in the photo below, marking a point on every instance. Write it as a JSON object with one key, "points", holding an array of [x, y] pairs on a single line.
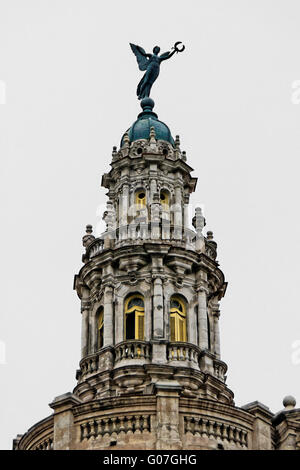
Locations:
{"points": [[177, 141], [198, 220], [89, 237], [199, 223], [289, 402], [152, 138], [183, 153], [152, 134], [210, 235], [126, 140], [114, 153]]}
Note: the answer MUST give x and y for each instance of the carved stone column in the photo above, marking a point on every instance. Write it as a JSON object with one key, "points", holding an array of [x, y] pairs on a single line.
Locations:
{"points": [[123, 211], [84, 329], [108, 316], [85, 309], [202, 318], [153, 189], [178, 214], [155, 217], [216, 315], [186, 211], [158, 310]]}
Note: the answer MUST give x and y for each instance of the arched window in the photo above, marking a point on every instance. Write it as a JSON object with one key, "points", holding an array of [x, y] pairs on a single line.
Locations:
{"points": [[178, 319], [134, 317], [164, 200], [100, 328], [140, 199]]}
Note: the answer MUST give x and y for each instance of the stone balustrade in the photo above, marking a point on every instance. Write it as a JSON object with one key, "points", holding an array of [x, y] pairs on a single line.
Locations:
{"points": [[199, 426], [220, 369], [148, 231], [132, 349], [143, 231], [95, 248], [142, 350], [47, 444], [115, 425], [178, 351], [89, 365], [210, 251], [155, 230]]}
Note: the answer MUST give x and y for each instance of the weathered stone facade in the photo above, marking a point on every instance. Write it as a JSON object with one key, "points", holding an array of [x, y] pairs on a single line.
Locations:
{"points": [[151, 374]]}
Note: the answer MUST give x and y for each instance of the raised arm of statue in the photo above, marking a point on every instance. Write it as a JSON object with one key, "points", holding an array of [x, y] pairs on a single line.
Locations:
{"points": [[168, 55]]}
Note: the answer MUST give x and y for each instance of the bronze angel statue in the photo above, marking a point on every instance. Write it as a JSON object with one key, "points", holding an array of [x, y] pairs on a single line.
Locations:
{"points": [[151, 63]]}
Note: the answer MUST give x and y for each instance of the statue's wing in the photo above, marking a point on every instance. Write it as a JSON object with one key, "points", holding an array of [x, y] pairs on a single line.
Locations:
{"points": [[141, 56], [165, 55]]}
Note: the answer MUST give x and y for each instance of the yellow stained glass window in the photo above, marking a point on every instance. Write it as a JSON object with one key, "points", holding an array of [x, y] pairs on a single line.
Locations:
{"points": [[177, 320], [140, 199], [134, 317]]}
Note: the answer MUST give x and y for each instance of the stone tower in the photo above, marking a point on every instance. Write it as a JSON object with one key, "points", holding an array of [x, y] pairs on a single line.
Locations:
{"points": [[150, 285], [151, 374]]}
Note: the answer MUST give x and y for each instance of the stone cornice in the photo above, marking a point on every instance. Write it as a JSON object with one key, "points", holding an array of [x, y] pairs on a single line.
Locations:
{"points": [[113, 404], [259, 411], [33, 435], [222, 410]]}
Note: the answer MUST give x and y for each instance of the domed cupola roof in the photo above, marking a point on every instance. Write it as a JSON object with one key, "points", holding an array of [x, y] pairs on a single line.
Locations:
{"points": [[140, 129]]}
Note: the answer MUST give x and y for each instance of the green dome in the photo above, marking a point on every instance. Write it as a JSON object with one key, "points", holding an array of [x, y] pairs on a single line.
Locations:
{"points": [[140, 129]]}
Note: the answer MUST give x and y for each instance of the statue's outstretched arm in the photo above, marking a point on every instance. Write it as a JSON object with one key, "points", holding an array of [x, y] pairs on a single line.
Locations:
{"points": [[167, 55], [175, 48]]}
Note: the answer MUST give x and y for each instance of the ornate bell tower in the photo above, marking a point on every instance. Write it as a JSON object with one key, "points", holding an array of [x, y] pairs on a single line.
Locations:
{"points": [[151, 374], [150, 285]]}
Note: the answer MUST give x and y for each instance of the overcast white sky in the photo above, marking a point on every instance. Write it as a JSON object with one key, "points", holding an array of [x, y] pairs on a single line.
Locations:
{"points": [[70, 80]]}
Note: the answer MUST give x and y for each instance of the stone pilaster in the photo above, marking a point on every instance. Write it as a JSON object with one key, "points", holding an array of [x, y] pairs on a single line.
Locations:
{"points": [[178, 214], [202, 318], [124, 200], [155, 217], [85, 308], [63, 430], [216, 317], [153, 189], [186, 211], [158, 309], [262, 426], [167, 406]]}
